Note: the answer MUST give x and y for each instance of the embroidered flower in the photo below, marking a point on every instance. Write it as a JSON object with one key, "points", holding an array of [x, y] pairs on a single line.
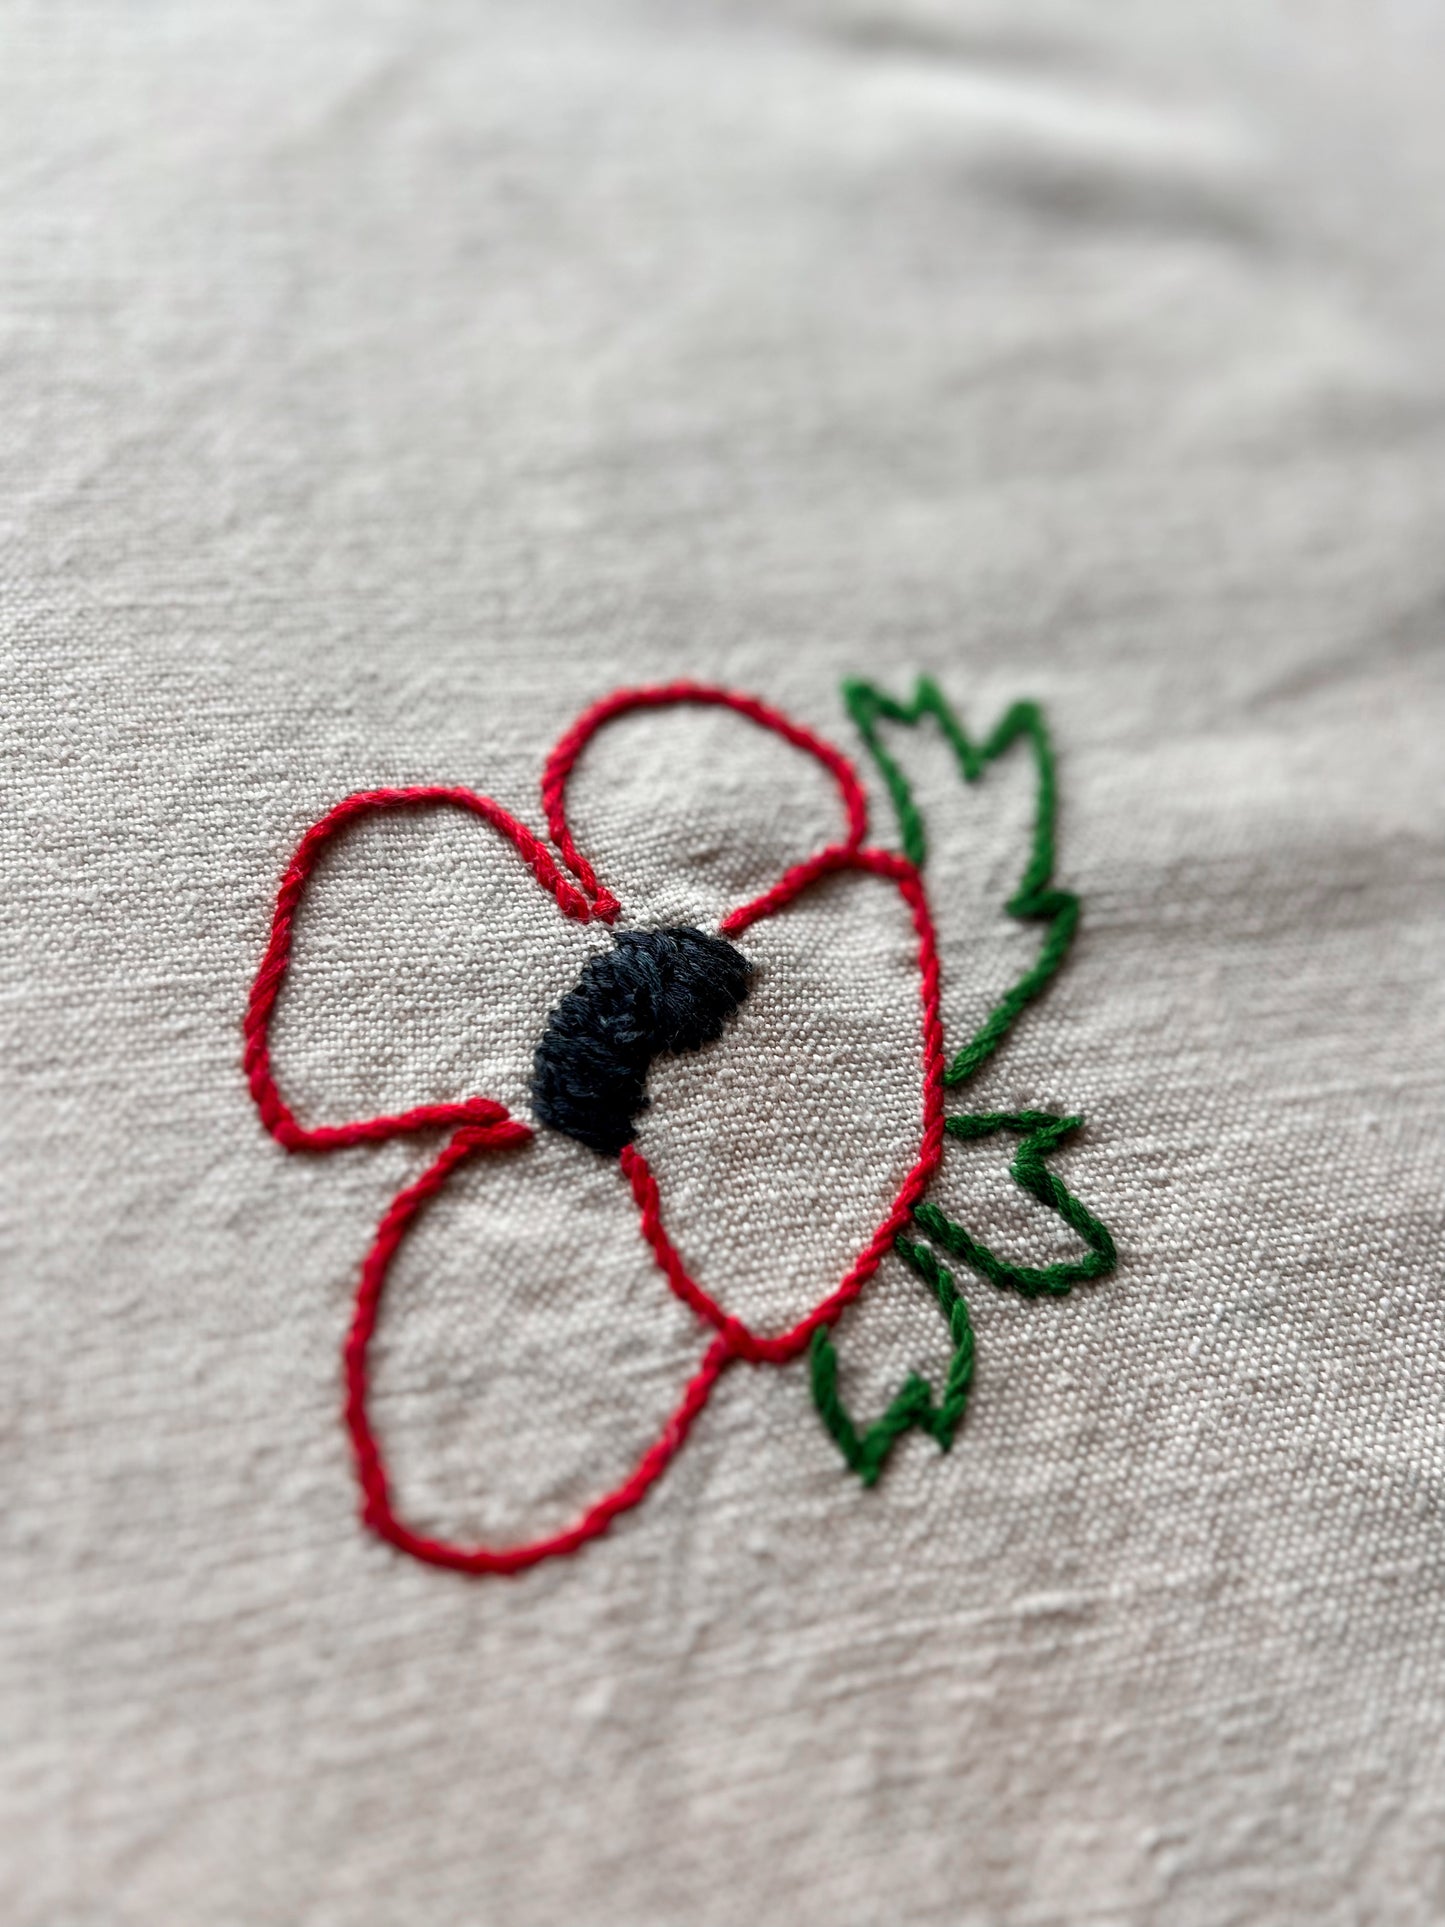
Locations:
{"points": [[655, 991], [676, 988]]}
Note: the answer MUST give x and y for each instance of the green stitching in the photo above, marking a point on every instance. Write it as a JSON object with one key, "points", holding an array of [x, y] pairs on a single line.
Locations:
{"points": [[866, 1452], [1034, 900], [1042, 1132]]}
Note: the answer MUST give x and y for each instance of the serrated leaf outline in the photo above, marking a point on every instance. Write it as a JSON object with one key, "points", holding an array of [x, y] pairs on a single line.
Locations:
{"points": [[1035, 899]]}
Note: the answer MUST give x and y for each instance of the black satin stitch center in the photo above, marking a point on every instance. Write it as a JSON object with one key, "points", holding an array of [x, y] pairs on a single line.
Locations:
{"points": [[657, 990]]}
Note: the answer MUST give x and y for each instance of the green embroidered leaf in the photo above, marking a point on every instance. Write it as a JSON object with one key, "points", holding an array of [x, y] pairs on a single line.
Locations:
{"points": [[866, 1451], [1034, 899], [1042, 1132]]}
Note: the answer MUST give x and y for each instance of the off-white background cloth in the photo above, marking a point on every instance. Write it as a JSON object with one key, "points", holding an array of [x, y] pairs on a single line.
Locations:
{"points": [[379, 384]]}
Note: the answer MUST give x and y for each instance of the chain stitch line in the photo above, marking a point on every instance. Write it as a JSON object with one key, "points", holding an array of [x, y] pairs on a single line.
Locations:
{"points": [[1034, 898], [276, 1114], [563, 760], [486, 1125], [1042, 1132], [866, 1452]]}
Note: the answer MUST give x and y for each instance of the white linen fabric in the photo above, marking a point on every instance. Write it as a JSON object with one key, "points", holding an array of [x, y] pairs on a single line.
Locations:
{"points": [[381, 384]]}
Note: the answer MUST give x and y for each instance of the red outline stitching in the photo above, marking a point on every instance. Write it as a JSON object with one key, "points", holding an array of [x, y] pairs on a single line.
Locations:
{"points": [[371, 1470], [276, 1113], [487, 1126], [560, 764], [742, 1341]]}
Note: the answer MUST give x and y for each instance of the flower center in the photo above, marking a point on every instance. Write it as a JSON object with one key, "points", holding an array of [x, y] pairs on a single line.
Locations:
{"points": [[657, 990]]}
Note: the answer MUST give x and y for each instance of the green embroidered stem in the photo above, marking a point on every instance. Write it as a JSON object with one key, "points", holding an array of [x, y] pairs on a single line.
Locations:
{"points": [[1042, 1132], [866, 1452], [1034, 900]]}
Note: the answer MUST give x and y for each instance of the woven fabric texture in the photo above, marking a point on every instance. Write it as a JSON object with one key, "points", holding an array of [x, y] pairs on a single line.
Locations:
{"points": [[380, 385]]}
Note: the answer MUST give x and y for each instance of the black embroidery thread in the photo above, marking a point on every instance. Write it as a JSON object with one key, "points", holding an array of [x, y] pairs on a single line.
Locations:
{"points": [[657, 991]]}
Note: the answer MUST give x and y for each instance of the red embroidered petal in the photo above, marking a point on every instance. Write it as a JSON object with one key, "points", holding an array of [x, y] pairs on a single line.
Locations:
{"points": [[571, 1385], [564, 757], [843, 855], [741, 1338], [486, 1126], [276, 1114]]}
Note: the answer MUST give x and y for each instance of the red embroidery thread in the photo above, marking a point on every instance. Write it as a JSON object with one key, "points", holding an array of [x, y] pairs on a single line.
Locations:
{"points": [[276, 1114], [560, 764], [485, 1124]]}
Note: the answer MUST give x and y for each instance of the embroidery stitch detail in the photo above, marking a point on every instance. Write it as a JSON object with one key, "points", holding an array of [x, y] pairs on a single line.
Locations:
{"points": [[675, 989], [563, 759], [486, 1126], [866, 1452], [657, 991], [276, 1114], [1042, 1132], [1034, 899]]}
